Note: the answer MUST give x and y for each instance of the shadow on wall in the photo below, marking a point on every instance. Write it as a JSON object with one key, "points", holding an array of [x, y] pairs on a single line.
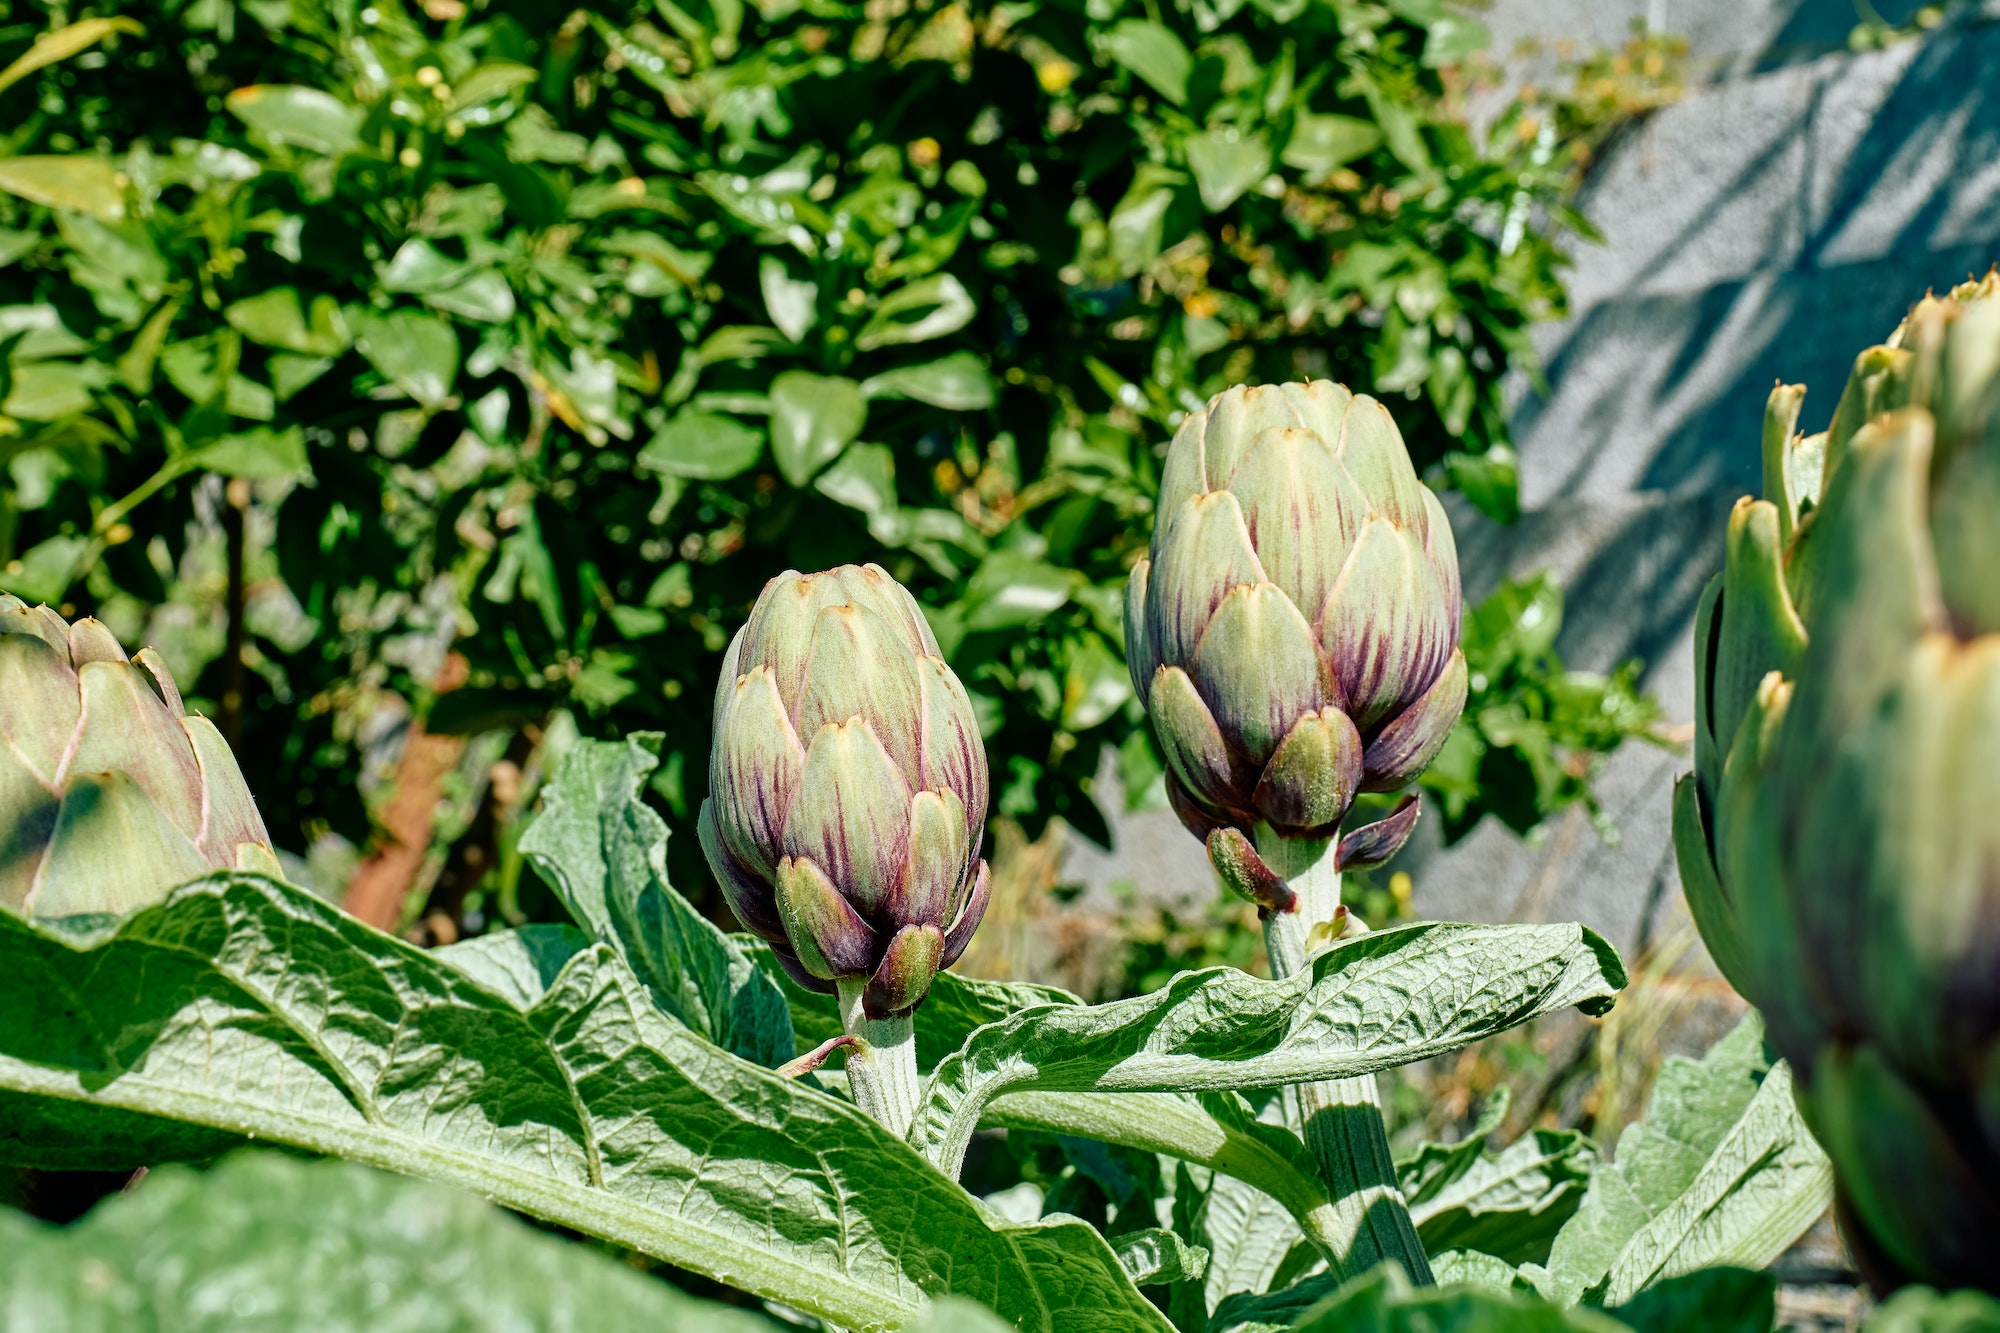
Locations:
{"points": [[1769, 227], [1814, 27]]}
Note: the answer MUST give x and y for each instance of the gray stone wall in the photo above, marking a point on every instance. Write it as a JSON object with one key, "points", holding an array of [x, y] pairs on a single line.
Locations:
{"points": [[1772, 224]]}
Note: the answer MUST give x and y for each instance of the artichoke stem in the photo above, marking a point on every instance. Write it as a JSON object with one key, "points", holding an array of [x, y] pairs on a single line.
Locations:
{"points": [[1339, 1119], [882, 1070]]}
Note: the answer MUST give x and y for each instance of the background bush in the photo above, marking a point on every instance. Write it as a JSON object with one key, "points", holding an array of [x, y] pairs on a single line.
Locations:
{"points": [[466, 370]]}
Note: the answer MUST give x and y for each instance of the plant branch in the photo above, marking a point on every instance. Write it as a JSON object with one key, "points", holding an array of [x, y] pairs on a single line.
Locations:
{"points": [[1339, 1119], [882, 1067]]}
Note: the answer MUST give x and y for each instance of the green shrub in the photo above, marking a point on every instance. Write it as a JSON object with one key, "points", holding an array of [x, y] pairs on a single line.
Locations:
{"points": [[545, 337]]}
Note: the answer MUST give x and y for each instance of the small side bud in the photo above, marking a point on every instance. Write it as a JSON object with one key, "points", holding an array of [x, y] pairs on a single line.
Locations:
{"points": [[1245, 872]]}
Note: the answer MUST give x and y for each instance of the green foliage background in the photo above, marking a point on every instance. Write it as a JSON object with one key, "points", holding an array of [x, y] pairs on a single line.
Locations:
{"points": [[545, 336]]}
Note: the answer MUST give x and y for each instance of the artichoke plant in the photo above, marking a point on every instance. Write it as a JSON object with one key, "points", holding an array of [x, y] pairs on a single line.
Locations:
{"points": [[111, 792], [847, 789], [1294, 635], [1839, 839]]}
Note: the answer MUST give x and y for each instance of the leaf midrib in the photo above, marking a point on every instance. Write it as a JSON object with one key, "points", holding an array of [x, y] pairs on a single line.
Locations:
{"points": [[593, 1209]]}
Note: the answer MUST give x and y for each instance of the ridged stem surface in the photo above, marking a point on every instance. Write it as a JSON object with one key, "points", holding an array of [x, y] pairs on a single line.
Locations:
{"points": [[882, 1071], [1339, 1119]]}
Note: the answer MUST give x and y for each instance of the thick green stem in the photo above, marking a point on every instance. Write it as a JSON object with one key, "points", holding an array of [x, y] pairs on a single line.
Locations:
{"points": [[1340, 1119], [882, 1070]]}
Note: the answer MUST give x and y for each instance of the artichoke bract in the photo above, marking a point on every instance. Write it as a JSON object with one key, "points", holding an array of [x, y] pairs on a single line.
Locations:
{"points": [[1839, 839], [111, 792], [847, 788], [1294, 635]]}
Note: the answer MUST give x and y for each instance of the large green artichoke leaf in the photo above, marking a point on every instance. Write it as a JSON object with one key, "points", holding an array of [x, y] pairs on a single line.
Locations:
{"points": [[604, 852], [241, 1007], [268, 1241], [1721, 1172], [1368, 1004]]}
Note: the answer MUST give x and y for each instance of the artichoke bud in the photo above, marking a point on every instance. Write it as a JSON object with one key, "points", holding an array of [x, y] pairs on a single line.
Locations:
{"points": [[1839, 842], [111, 792], [847, 787], [1294, 630]]}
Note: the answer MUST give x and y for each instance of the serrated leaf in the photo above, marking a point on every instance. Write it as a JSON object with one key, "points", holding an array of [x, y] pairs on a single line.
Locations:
{"points": [[268, 1241], [1384, 1300], [520, 964], [1368, 1004], [1758, 1192], [1216, 1131], [1156, 1255], [1687, 1160], [603, 850], [1248, 1235], [813, 418], [242, 1006], [1510, 1204], [957, 383], [955, 1007], [80, 183]]}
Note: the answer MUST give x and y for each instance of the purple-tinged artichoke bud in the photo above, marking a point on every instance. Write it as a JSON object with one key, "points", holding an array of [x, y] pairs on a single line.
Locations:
{"points": [[111, 792], [1295, 633], [847, 787]]}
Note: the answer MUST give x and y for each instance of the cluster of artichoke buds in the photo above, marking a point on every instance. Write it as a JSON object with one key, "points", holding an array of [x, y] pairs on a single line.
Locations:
{"points": [[847, 788], [111, 792], [1839, 840], [1294, 635]]}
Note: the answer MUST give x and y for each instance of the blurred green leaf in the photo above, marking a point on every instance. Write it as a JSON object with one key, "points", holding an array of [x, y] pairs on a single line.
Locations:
{"points": [[1226, 162], [275, 318], [62, 43], [1014, 588], [928, 308], [706, 446], [741, 343], [84, 184], [1321, 142], [959, 383], [791, 303], [307, 117], [263, 1239], [416, 353], [45, 571], [1154, 53], [813, 418], [263, 454]]}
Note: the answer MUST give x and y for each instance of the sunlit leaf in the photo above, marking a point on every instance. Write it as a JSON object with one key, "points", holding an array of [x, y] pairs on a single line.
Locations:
{"points": [[61, 44], [305, 117], [958, 382], [928, 308], [706, 446], [1152, 52], [84, 184], [813, 417]]}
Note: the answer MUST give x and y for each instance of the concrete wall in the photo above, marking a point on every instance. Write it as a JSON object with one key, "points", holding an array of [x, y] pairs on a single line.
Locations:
{"points": [[1772, 224]]}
